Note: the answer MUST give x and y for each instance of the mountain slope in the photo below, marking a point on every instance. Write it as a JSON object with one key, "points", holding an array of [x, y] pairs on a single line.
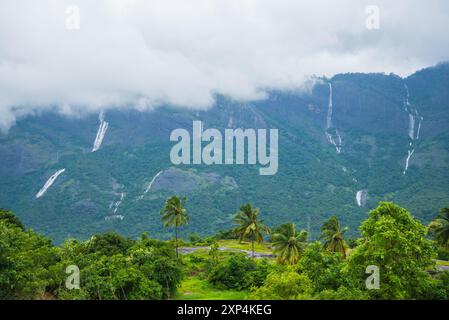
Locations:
{"points": [[369, 113]]}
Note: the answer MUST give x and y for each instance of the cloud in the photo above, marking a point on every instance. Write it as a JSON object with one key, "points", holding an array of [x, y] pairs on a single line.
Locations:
{"points": [[146, 53]]}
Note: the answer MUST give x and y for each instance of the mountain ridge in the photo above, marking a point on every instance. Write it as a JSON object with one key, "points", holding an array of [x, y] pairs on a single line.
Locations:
{"points": [[313, 182]]}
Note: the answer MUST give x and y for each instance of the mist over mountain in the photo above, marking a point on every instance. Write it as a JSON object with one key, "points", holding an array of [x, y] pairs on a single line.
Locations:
{"points": [[353, 140], [79, 57]]}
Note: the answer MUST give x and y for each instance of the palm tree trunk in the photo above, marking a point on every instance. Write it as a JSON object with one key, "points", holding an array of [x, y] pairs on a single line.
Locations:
{"points": [[176, 241]]}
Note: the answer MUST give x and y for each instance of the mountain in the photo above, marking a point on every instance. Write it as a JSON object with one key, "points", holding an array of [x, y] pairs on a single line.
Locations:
{"points": [[348, 143]]}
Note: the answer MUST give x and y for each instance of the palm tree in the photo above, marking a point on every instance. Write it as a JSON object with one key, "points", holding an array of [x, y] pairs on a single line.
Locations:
{"points": [[440, 228], [288, 244], [174, 215], [332, 234], [250, 227]]}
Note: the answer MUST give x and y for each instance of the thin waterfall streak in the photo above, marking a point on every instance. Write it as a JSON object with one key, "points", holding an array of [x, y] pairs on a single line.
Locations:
{"points": [[49, 183]]}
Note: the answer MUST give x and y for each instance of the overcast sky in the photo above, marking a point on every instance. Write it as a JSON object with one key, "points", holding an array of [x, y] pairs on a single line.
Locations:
{"points": [[146, 53]]}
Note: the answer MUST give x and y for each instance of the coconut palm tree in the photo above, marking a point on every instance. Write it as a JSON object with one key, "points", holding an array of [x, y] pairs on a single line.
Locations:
{"points": [[250, 227], [333, 236], [174, 215], [288, 244], [440, 228]]}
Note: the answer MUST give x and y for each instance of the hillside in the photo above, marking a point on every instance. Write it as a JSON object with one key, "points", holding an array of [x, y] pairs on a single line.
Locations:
{"points": [[341, 161]]}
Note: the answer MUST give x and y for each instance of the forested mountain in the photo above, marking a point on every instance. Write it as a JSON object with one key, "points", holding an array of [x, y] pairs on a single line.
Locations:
{"points": [[344, 145]]}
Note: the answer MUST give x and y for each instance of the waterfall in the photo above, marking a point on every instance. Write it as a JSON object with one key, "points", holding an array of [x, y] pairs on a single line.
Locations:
{"points": [[407, 97], [152, 181], [49, 182], [332, 135], [361, 196], [118, 203], [414, 127], [330, 109], [407, 160], [100, 133], [151, 184], [419, 127], [411, 126]]}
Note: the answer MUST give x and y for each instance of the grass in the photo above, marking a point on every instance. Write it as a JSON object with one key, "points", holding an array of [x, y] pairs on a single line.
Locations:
{"points": [[442, 263], [235, 244], [194, 288]]}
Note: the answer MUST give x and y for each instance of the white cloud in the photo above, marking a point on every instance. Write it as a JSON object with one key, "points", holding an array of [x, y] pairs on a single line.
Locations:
{"points": [[144, 53]]}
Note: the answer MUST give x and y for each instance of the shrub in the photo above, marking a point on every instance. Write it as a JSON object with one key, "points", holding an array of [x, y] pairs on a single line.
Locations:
{"points": [[286, 285], [236, 272]]}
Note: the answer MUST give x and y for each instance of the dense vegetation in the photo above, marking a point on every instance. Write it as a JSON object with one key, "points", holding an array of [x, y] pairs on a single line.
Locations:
{"points": [[283, 265], [313, 181]]}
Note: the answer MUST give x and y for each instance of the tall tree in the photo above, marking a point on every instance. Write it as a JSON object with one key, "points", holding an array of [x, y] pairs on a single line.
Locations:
{"points": [[395, 243], [288, 244], [333, 236], [250, 226], [440, 228], [174, 215]]}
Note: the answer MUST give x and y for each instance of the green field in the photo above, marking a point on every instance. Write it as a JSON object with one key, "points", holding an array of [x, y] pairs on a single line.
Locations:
{"points": [[194, 288], [235, 244]]}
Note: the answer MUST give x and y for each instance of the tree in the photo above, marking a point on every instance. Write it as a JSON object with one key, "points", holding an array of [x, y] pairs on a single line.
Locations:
{"points": [[10, 218], [396, 243], [250, 227], [285, 285], [174, 215], [27, 262], [333, 236], [439, 227], [322, 267], [108, 244], [233, 273], [288, 243]]}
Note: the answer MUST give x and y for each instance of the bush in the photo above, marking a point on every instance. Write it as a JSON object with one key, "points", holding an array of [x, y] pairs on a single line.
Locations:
{"points": [[196, 240], [342, 293], [323, 268], [238, 272], [443, 254], [286, 285]]}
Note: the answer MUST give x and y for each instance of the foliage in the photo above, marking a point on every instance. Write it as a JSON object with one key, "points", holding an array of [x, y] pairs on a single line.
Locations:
{"points": [[238, 272], [342, 293], [322, 267], [439, 227], [108, 244], [396, 243], [288, 243], [249, 225], [285, 285], [115, 267], [174, 215], [27, 262], [332, 234]]}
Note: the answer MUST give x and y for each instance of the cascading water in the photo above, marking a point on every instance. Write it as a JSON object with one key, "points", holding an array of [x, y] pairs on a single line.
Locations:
{"points": [[151, 184], [49, 182], [115, 206], [100, 133], [332, 135], [420, 120], [361, 196], [152, 181], [411, 126], [414, 127], [407, 160], [119, 202], [330, 109]]}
